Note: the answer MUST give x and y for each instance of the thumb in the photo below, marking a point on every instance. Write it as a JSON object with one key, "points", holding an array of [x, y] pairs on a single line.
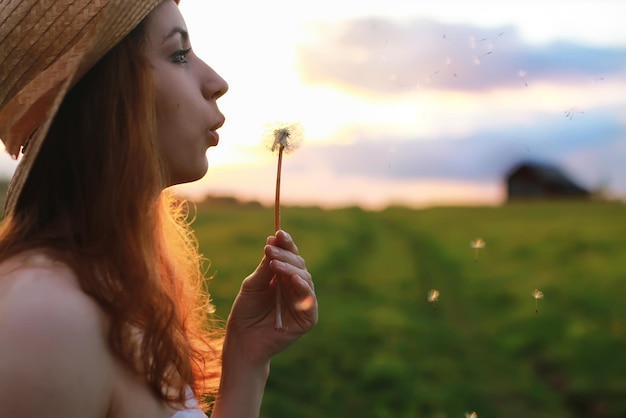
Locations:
{"points": [[260, 277]]}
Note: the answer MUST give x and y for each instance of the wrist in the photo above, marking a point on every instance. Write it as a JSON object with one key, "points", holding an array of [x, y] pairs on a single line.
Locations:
{"points": [[238, 356], [242, 384]]}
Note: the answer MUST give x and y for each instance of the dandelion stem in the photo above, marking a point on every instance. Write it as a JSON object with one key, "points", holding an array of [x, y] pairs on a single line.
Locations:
{"points": [[277, 199], [278, 320]]}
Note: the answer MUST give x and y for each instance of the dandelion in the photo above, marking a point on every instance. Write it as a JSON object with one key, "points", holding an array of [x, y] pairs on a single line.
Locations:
{"points": [[477, 244], [283, 138], [433, 296], [471, 415], [537, 294]]}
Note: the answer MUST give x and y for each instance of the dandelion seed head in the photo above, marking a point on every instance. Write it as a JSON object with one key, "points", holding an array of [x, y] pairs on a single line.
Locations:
{"points": [[433, 295], [281, 138], [537, 294], [471, 415], [282, 135]]}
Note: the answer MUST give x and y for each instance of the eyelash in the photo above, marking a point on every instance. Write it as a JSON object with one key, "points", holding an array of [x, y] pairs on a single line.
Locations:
{"points": [[179, 56]]}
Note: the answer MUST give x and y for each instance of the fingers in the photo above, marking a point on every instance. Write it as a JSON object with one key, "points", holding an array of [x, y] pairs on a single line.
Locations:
{"points": [[282, 247], [302, 311], [260, 279], [284, 258], [283, 239], [280, 257], [304, 302], [304, 292], [280, 254]]}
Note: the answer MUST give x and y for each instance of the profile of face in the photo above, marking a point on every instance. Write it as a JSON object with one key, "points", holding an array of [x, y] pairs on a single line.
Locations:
{"points": [[186, 91]]}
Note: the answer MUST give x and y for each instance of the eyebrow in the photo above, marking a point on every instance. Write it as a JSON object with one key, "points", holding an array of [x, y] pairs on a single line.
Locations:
{"points": [[177, 30]]}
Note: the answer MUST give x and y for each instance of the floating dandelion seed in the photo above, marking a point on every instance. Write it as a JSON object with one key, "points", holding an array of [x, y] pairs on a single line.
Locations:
{"points": [[471, 415], [537, 294], [433, 296], [488, 47], [477, 244], [283, 138], [477, 59], [428, 79], [522, 74], [572, 111], [474, 42], [392, 149], [448, 65]]}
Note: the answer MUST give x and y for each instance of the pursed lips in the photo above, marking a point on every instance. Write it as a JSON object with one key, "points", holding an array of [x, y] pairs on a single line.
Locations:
{"points": [[213, 136]]}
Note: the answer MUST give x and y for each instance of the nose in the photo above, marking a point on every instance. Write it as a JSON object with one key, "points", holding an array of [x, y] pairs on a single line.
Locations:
{"points": [[213, 86]]}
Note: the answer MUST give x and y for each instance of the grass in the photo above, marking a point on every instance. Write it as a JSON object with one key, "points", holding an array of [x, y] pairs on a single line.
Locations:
{"points": [[381, 350]]}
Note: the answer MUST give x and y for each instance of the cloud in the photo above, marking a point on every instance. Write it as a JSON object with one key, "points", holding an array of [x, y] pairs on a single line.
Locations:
{"points": [[579, 145], [383, 56]]}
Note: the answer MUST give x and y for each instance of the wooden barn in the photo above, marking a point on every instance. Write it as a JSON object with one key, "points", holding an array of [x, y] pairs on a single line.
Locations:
{"points": [[529, 180]]}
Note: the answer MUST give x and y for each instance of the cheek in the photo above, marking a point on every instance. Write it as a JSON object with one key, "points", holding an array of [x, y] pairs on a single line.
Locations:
{"points": [[183, 155], [182, 148]]}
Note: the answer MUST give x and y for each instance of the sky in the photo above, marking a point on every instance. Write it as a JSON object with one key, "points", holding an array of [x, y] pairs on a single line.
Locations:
{"points": [[409, 102]]}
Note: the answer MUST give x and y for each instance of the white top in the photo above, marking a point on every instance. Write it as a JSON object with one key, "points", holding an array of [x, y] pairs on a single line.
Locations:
{"points": [[189, 413], [192, 409]]}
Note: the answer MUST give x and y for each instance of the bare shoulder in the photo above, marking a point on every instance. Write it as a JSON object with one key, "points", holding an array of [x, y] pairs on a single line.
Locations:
{"points": [[54, 359]]}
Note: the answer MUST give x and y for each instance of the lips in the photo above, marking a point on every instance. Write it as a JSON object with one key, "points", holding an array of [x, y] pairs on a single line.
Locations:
{"points": [[212, 136]]}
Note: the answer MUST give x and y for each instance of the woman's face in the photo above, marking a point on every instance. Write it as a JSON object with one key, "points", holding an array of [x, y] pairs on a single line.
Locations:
{"points": [[187, 90]]}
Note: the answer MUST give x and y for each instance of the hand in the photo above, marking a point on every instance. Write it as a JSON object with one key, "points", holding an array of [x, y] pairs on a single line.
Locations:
{"points": [[250, 326]]}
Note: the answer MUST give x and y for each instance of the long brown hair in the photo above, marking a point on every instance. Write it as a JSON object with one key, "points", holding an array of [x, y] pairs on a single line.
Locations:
{"points": [[95, 199]]}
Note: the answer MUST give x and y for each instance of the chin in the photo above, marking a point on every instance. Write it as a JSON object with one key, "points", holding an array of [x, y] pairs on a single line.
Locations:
{"points": [[189, 178], [190, 173]]}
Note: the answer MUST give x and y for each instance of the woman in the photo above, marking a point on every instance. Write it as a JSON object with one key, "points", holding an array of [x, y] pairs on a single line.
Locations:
{"points": [[100, 278]]}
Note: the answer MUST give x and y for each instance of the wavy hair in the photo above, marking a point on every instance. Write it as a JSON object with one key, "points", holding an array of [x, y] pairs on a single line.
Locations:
{"points": [[95, 200]]}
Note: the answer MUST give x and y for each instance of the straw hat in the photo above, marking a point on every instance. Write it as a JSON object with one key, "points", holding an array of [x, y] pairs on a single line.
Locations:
{"points": [[45, 47]]}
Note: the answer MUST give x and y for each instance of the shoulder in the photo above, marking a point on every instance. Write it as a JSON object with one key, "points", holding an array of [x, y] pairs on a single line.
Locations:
{"points": [[53, 351]]}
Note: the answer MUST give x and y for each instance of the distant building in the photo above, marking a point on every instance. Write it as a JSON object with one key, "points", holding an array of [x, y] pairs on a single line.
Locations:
{"points": [[530, 180]]}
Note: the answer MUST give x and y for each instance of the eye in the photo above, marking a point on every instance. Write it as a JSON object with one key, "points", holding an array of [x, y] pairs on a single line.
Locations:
{"points": [[180, 56]]}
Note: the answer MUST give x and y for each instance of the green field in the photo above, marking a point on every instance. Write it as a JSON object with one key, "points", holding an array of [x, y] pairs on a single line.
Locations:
{"points": [[381, 350]]}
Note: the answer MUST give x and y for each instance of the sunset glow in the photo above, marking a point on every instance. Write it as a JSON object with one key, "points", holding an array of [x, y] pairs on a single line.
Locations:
{"points": [[418, 104]]}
